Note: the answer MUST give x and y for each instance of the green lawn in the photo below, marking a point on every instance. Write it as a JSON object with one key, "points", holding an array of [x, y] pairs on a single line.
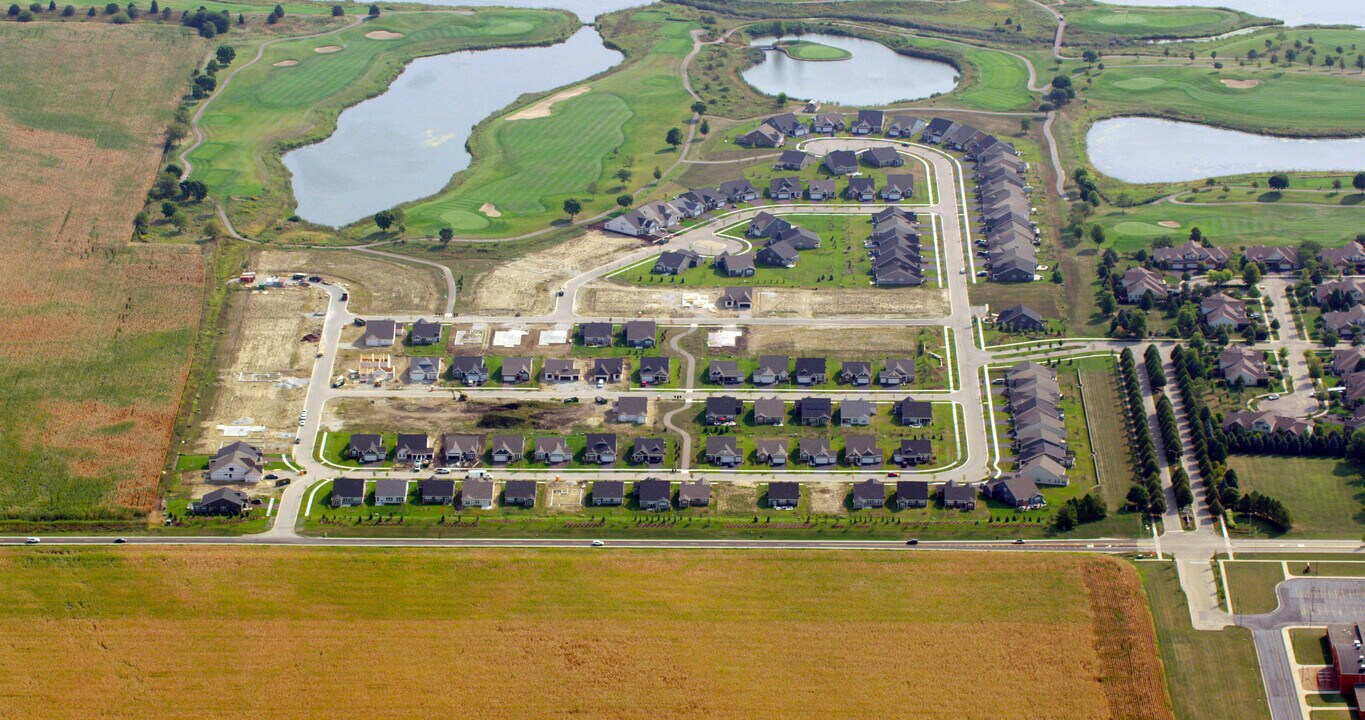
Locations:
{"points": [[529, 167], [1252, 585], [1310, 646], [1210, 675], [1324, 496], [1153, 22], [334, 449], [267, 109], [807, 50], [1227, 225], [762, 173], [993, 80], [235, 7]]}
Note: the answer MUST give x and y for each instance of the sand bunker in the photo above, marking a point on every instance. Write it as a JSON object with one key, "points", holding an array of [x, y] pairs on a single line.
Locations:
{"points": [[1169, 224], [490, 210], [383, 35], [286, 63], [1241, 84], [542, 108], [325, 49]]}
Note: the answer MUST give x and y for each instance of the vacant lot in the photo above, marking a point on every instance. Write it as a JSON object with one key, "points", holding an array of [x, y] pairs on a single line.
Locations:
{"points": [[1325, 497], [138, 634], [527, 285], [97, 333], [611, 298], [376, 284]]}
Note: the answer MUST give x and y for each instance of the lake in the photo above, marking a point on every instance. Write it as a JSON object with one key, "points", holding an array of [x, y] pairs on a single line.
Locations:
{"points": [[1292, 12], [875, 75], [408, 142], [586, 10], [1149, 150]]}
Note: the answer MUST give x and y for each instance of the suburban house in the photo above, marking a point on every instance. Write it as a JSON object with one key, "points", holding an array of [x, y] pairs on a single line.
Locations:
{"points": [[519, 493], [1273, 258], [1140, 281], [1264, 422], [856, 413], [694, 494], [366, 448], [770, 411], [654, 371], [222, 501], [736, 298], [898, 371], [1223, 310], [516, 370], [816, 452], [772, 369], [237, 462], [779, 254], [379, 333], [348, 492], [634, 410], [827, 124], [477, 494], [1020, 318], [957, 497], [862, 451], [560, 370], [675, 262], [424, 332], [1344, 323], [705, 199], [736, 265], [867, 122], [424, 370], [898, 187], [1241, 364], [1191, 257], [785, 188], [788, 124], [799, 237], [723, 451], [461, 449], [505, 449], [1016, 491], [648, 451], [810, 371], [607, 370], [600, 448], [640, 333], [814, 411], [553, 450], [654, 495], [765, 224], [413, 448], [739, 191], [723, 410], [1340, 293], [912, 494], [375, 368], [436, 491], [820, 189], [608, 493], [784, 495], [764, 135], [390, 492], [1044, 471], [793, 160], [725, 372], [469, 369], [771, 451], [882, 156], [869, 494], [841, 162], [856, 373], [905, 126], [596, 334], [862, 189], [1349, 260], [1348, 360], [912, 452]]}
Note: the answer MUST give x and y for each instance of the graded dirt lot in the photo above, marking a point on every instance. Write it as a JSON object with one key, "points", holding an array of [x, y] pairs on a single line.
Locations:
{"points": [[526, 285], [376, 284], [611, 298], [138, 633], [436, 416], [97, 332], [262, 348], [832, 341]]}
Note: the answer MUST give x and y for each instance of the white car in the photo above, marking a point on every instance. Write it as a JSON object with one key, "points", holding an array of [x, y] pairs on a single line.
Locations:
{"points": [[32, 541], [1272, 396], [598, 543]]}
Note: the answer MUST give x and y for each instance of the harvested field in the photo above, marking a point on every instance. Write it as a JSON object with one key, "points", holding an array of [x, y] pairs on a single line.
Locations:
{"points": [[144, 636], [611, 298], [97, 333], [377, 284], [261, 347], [545, 107], [525, 284]]}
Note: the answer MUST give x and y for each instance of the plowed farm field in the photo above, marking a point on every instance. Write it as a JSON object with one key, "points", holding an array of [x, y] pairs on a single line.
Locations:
{"points": [[96, 334], [140, 632]]}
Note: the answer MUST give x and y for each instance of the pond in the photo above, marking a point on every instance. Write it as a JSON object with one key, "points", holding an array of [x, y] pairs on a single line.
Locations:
{"points": [[586, 10], [408, 142], [875, 75], [1292, 12], [1149, 150]]}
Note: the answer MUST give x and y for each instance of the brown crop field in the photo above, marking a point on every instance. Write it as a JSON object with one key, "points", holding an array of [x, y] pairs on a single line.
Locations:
{"points": [[95, 334], [388, 633]]}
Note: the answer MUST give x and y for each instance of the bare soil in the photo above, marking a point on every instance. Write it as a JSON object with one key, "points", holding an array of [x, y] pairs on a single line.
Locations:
{"points": [[831, 341], [827, 498], [436, 415], [609, 298], [527, 284], [544, 107], [377, 285]]}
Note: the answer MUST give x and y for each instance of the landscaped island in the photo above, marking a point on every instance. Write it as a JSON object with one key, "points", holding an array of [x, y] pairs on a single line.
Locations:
{"points": [[813, 51]]}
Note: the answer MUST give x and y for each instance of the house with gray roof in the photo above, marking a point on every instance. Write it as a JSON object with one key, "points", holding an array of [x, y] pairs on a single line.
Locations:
{"points": [[477, 494], [771, 451], [553, 450], [607, 370], [436, 491], [765, 224], [799, 238], [793, 160], [559, 370], [785, 188], [505, 449], [770, 411], [725, 372], [648, 451], [640, 333], [519, 493], [862, 451], [897, 372], [654, 495], [869, 494], [222, 501], [955, 496], [694, 494], [736, 265], [827, 124], [366, 448], [856, 413], [788, 124], [600, 448], [867, 122], [632, 409], [815, 411], [898, 187], [784, 495], [237, 462], [469, 369], [736, 298], [379, 333], [723, 451], [810, 371], [912, 452], [516, 370], [882, 156], [676, 262], [1015, 491], [390, 492], [461, 449], [608, 493], [424, 370], [816, 452], [413, 448], [764, 135], [841, 162], [779, 254], [772, 369], [912, 494], [596, 334], [820, 190], [424, 332], [1020, 318], [739, 191], [723, 409], [348, 492], [862, 189], [655, 371], [905, 126], [855, 372]]}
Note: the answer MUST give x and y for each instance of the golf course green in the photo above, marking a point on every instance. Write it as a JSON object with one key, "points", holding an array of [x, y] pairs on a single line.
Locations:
{"points": [[813, 51]]}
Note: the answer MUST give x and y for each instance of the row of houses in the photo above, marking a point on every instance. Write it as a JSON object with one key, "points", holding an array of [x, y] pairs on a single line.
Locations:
{"points": [[721, 410], [1240, 365], [1004, 206], [894, 249], [1348, 364], [1341, 301], [860, 451], [1040, 436], [774, 131], [386, 333], [464, 450], [810, 371]]}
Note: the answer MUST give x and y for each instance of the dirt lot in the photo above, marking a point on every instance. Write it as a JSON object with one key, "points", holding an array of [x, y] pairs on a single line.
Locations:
{"points": [[831, 341], [478, 339], [261, 347], [436, 416], [377, 285], [609, 298], [526, 284]]}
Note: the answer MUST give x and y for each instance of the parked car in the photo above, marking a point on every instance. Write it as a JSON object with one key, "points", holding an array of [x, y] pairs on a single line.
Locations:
{"points": [[442, 471], [358, 322], [272, 476], [570, 400], [282, 482], [600, 400]]}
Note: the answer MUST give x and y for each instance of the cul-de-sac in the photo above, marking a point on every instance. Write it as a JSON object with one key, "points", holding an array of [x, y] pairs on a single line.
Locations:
{"points": [[683, 359]]}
